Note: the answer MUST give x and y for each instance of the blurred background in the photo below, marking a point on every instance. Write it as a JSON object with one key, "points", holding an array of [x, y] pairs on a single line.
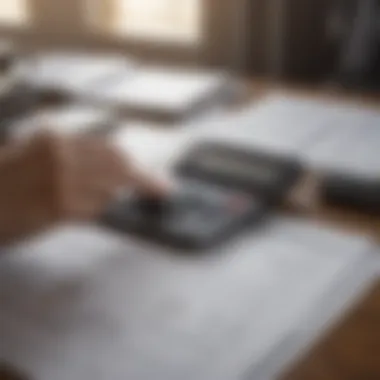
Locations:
{"points": [[142, 79], [300, 40]]}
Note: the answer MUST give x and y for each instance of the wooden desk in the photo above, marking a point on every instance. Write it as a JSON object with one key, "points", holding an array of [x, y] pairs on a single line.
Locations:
{"points": [[7, 373], [351, 351]]}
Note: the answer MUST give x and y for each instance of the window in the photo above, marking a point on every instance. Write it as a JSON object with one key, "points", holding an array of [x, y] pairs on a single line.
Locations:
{"points": [[173, 21], [13, 12]]}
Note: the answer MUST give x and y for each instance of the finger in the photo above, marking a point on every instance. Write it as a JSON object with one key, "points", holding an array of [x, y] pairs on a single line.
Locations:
{"points": [[107, 180], [101, 165], [90, 206], [145, 183]]}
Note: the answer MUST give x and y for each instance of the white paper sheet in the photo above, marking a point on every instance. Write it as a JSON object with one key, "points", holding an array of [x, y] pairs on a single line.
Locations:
{"points": [[352, 144], [65, 120], [77, 72], [124, 309], [278, 124], [157, 89]]}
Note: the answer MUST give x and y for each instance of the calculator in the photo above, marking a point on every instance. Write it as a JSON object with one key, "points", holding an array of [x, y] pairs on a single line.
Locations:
{"points": [[221, 191]]}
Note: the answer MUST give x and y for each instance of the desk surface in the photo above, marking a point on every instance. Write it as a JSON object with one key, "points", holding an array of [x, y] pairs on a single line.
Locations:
{"points": [[341, 355], [349, 351]]}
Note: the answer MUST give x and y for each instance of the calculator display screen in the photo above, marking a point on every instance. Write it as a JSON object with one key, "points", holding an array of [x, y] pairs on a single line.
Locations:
{"points": [[235, 167]]}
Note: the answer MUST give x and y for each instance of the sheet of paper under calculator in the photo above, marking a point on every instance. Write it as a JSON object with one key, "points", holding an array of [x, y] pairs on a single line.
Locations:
{"points": [[80, 302]]}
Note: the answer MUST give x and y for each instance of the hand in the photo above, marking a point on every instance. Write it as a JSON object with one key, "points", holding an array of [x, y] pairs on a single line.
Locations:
{"points": [[49, 179]]}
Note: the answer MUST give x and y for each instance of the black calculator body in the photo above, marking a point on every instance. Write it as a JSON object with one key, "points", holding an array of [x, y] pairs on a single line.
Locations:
{"points": [[221, 190]]}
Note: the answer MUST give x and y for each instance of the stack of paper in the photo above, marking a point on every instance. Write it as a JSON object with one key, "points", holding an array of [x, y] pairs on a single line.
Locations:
{"points": [[168, 94], [76, 73]]}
